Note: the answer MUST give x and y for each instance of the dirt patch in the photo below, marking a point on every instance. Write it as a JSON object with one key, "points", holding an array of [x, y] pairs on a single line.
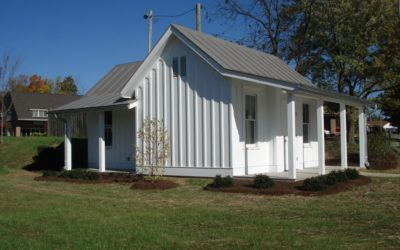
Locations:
{"points": [[286, 188], [104, 178], [148, 185]]}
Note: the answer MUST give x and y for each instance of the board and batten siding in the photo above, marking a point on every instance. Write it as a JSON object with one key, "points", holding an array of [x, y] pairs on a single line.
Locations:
{"points": [[120, 154], [195, 109]]}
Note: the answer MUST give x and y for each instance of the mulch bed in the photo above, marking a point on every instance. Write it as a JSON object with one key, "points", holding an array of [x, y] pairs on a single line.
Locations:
{"points": [[286, 188], [139, 182], [157, 185], [104, 178]]}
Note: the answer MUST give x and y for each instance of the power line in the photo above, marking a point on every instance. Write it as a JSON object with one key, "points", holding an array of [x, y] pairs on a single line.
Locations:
{"points": [[177, 15]]}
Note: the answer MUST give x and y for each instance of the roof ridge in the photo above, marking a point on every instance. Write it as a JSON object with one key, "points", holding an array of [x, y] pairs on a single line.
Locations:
{"points": [[177, 26]]}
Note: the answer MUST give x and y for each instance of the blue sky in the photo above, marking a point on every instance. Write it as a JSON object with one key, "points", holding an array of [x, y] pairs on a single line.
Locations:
{"points": [[86, 38]]}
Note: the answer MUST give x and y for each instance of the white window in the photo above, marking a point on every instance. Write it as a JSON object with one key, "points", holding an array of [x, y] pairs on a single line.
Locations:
{"points": [[250, 118], [306, 123], [40, 113]]}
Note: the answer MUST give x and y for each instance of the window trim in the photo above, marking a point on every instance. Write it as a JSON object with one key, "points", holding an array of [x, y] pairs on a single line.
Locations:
{"points": [[255, 144]]}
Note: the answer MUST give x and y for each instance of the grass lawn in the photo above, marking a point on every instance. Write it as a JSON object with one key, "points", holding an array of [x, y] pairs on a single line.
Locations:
{"points": [[49, 215]]}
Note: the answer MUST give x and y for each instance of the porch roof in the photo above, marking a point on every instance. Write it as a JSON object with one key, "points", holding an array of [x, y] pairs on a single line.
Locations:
{"points": [[106, 92]]}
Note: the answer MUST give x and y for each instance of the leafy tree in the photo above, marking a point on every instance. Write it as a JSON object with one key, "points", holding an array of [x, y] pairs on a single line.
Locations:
{"points": [[153, 152], [390, 101], [38, 85], [67, 86], [349, 46]]}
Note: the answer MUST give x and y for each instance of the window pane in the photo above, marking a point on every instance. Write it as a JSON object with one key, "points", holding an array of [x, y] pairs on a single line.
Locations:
{"points": [[250, 107], [108, 136], [183, 65], [250, 119], [306, 116], [108, 118], [108, 128], [175, 66]]}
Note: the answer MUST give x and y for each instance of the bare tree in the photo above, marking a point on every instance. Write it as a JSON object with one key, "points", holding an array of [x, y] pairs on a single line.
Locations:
{"points": [[266, 24], [8, 67], [153, 150]]}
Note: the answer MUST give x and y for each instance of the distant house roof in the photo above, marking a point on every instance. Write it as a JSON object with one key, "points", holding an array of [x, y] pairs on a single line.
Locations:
{"points": [[107, 91], [23, 103], [238, 58]]}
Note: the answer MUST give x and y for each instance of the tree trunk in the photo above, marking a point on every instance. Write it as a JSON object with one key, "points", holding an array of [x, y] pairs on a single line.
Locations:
{"points": [[352, 123]]}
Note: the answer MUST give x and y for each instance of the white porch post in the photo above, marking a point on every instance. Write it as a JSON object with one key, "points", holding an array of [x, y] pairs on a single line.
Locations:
{"points": [[67, 146], [291, 126], [362, 136], [102, 145], [343, 137], [321, 137]]}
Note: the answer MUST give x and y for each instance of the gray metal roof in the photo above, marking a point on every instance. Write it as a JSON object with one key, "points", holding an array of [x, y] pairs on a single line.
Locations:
{"points": [[24, 103], [237, 58], [107, 91]]}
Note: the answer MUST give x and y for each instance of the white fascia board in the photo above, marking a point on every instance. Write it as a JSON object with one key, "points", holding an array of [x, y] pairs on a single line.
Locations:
{"points": [[260, 80], [319, 95], [132, 105], [227, 73], [129, 88]]}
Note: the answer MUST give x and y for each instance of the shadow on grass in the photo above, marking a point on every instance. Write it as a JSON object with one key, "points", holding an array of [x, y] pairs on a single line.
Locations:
{"points": [[52, 158]]}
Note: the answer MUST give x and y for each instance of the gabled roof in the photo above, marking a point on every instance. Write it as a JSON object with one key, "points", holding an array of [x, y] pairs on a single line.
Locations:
{"points": [[107, 91], [237, 58], [24, 103], [227, 58]]}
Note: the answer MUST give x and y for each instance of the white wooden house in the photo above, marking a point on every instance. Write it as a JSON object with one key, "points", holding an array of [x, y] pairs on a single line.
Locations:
{"points": [[229, 110]]}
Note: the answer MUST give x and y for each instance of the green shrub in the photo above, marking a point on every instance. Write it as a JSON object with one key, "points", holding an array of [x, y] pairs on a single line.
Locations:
{"points": [[50, 173], [352, 173], [331, 178], [220, 181], [340, 176], [263, 181], [314, 184], [80, 174], [380, 152]]}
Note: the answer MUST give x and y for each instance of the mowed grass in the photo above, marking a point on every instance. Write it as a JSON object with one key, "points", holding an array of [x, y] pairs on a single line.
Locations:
{"points": [[18, 152], [55, 215]]}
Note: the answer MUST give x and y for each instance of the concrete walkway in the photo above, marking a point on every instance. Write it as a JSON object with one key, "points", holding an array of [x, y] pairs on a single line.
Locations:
{"points": [[380, 174]]}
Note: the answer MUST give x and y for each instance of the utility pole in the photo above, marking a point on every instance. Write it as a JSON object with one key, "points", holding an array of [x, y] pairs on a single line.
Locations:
{"points": [[149, 17], [198, 17]]}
